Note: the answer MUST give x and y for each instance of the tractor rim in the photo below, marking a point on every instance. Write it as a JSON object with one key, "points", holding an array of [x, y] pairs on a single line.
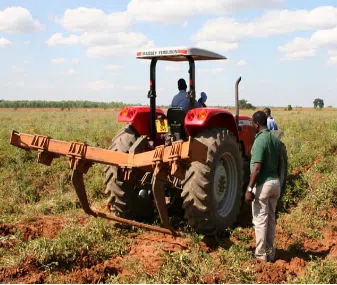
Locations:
{"points": [[225, 184]]}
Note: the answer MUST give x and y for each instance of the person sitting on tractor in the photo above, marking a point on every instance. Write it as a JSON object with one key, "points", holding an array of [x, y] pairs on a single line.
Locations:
{"points": [[181, 100], [202, 99]]}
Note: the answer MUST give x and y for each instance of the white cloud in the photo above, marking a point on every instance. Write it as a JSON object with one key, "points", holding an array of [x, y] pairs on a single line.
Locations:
{"points": [[16, 69], [69, 72], [75, 60], [174, 11], [105, 39], [98, 85], [59, 39], [276, 22], [113, 67], [211, 70], [333, 59], [332, 52], [4, 42], [185, 24], [297, 55], [242, 62], [57, 60], [84, 19], [104, 35], [26, 42], [117, 49], [300, 48], [18, 20], [217, 46], [173, 67], [325, 37]]}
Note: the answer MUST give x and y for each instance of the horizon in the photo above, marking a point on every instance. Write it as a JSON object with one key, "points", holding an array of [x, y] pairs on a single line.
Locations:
{"points": [[141, 105], [285, 51]]}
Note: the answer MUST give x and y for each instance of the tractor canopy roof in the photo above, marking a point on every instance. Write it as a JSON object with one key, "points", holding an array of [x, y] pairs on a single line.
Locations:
{"points": [[179, 54]]}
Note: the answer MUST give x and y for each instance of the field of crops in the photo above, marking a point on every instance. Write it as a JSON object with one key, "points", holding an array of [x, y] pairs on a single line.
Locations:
{"points": [[46, 238]]}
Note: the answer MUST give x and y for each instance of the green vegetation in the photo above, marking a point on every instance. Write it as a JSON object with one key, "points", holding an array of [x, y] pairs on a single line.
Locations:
{"points": [[96, 239], [59, 104], [318, 103], [243, 104], [30, 192], [319, 272]]}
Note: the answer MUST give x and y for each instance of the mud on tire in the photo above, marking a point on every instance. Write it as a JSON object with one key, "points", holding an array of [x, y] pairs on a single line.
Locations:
{"points": [[124, 199], [212, 193]]}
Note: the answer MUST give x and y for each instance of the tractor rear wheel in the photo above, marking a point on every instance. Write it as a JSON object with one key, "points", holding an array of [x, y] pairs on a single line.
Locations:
{"points": [[124, 197], [212, 193]]}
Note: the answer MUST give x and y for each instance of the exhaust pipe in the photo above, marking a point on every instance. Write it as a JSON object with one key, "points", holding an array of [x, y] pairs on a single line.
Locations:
{"points": [[237, 101]]}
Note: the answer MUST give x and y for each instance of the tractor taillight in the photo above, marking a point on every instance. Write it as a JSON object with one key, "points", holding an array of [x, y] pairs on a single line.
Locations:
{"points": [[201, 114], [126, 114], [190, 116], [130, 113], [123, 112]]}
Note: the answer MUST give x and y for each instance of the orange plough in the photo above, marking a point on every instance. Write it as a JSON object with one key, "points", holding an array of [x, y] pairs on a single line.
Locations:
{"points": [[162, 161]]}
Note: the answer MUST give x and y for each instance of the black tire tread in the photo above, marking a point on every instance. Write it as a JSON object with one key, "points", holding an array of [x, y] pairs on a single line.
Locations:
{"points": [[122, 194], [197, 202]]}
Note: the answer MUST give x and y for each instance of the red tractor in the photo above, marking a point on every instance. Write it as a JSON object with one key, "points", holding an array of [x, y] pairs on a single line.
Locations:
{"points": [[193, 162]]}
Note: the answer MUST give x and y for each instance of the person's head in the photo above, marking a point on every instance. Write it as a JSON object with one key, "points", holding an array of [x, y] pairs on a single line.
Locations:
{"points": [[203, 97], [267, 112], [182, 84], [260, 120]]}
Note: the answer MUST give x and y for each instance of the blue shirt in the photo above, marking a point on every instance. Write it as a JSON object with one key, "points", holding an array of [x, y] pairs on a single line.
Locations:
{"points": [[180, 100], [271, 124]]}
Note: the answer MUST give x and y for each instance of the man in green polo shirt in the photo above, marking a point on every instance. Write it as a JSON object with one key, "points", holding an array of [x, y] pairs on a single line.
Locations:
{"points": [[264, 186]]}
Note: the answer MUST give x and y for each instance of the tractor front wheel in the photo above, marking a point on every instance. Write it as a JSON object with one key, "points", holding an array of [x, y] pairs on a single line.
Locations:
{"points": [[125, 199], [212, 193]]}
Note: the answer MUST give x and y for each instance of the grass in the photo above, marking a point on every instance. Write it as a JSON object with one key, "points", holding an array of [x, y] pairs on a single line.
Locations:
{"points": [[97, 239], [319, 272], [29, 190]]}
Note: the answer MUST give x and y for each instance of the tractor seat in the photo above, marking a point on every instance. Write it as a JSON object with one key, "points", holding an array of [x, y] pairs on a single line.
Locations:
{"points": [[175, 119]]}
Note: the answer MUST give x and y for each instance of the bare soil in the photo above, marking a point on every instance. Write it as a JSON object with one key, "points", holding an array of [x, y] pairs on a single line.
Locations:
{"points": [[148, 248], [46, 226]]}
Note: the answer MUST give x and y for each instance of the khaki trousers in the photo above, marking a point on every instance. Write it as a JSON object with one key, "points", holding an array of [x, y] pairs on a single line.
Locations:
{"points": [[264, 207]]}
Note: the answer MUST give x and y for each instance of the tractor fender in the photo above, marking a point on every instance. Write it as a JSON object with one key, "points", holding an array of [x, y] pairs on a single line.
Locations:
{"points": [[139, 118], [199, 119]]}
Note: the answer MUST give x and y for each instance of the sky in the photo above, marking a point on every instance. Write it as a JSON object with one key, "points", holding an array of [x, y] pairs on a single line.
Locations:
{"points": [[284, 50]]}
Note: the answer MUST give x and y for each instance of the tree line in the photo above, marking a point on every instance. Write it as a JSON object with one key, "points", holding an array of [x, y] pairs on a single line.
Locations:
{"points": [[59, 104]]}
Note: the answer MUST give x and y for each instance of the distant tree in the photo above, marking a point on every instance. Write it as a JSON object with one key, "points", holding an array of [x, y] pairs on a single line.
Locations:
{"points": [[289, 108], [59, 104], [243, 104], [318, 103]]}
